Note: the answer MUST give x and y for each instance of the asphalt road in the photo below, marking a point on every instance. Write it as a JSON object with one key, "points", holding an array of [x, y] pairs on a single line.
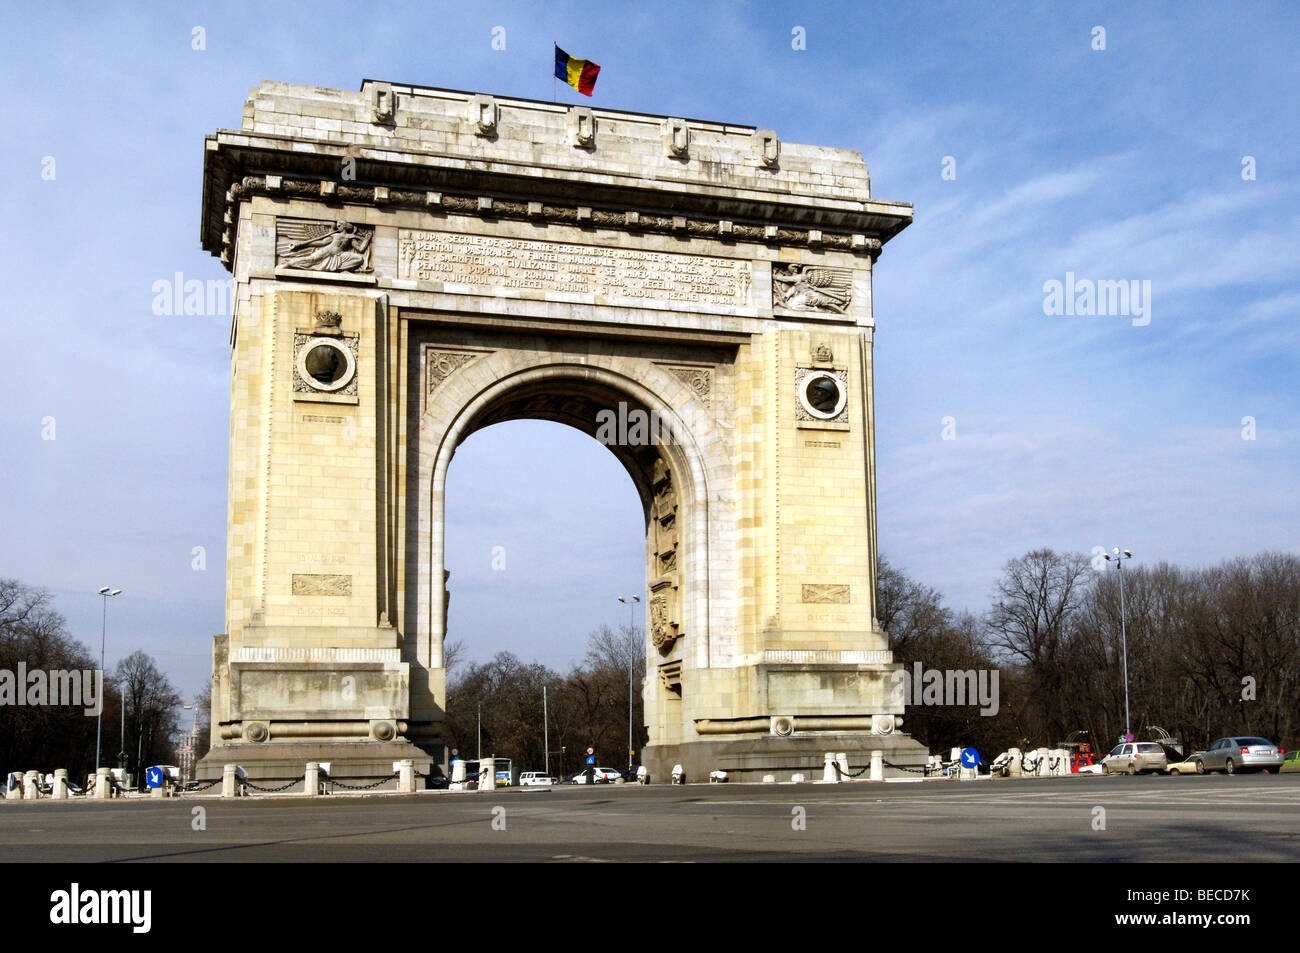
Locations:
{"points": [[1214, 818]]}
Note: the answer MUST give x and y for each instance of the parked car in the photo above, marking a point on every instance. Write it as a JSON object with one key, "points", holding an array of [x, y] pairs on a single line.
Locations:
{"points": [[1080, 760], [437, 780], [1245, 753], [1135, 757], [629, 774], [535, 779], [1189, 765], [600, 776]]}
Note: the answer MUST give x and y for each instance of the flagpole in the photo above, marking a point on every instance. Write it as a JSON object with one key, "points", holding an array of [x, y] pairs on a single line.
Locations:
{"points": [[555, 89]]}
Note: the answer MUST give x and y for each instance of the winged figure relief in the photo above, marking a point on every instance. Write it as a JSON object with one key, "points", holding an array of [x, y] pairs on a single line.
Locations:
{"points": [[322, 246], [812, 288]]}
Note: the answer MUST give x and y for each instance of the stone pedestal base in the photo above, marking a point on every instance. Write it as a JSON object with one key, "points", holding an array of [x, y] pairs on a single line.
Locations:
{"points": [[281, 760], [746, 760]]}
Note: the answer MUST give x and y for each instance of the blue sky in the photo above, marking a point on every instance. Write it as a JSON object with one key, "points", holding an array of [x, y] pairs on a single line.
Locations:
{"points": [[1073, 432]]}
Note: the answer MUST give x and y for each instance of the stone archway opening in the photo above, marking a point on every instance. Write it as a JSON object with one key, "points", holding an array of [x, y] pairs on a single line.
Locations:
{"points": [[647, 441]]}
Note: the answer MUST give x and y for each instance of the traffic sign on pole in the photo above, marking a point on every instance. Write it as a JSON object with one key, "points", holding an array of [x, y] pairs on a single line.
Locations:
{"points": [[154, 777]]}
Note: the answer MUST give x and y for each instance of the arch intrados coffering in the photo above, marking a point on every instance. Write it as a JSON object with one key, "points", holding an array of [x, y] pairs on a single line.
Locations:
{"points": [[587, 407], [594, 389]]}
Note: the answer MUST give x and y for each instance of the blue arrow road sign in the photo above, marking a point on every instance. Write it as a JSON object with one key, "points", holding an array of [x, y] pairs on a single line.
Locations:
{"points": [[154, 777], [970, 758]]}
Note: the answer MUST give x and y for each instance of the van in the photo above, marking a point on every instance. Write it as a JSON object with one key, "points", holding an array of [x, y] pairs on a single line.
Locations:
{"points": [[535, 779]]}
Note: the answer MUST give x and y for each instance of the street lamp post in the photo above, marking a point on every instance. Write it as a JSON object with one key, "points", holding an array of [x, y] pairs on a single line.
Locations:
{"points": [[104, 592], [631, 667], [188, 767], [1118, 558], [121, 752]]}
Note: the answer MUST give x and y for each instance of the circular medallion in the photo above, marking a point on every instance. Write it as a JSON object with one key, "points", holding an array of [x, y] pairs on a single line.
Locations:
{"points": [[326, 364], [823, 395]]}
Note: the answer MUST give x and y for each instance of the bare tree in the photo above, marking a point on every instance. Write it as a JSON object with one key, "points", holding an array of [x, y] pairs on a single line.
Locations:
{"points": [[1033, 603], [45, 736], [151, 710]]}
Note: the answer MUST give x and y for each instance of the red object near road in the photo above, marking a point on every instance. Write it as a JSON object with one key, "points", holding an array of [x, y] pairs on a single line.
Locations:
{"points": [[1081, 759]]}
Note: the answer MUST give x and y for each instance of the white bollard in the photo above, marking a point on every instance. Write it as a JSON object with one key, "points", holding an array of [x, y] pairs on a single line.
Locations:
{"points": [[877, 765], [769, 779], [406, 775], [830, 775], [14, 786], [32, 785], [842, 759], [103, 787], [798, 779], [487, 774], [228, 786], [311, 779], [1015, 767], [59, 791]]}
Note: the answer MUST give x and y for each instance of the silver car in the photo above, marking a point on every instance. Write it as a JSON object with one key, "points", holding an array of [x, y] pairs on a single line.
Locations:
{"points": [[1241, 754], [1134, 758]]}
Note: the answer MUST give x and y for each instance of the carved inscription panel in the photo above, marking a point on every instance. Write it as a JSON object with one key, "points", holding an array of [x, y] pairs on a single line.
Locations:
{"points": [[485, 262]]}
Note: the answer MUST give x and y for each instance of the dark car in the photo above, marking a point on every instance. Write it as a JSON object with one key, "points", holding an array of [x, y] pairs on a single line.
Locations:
{"points": [[437, 781], [629, 774]]}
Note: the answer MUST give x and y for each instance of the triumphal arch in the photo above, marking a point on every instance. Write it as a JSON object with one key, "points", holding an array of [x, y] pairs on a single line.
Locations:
{"points": [[413, 264]]}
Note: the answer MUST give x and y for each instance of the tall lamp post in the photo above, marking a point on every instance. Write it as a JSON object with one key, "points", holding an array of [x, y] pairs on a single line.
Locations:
{"points": [[104, 592], [194, 742], [1118, 556], [631, 667]]}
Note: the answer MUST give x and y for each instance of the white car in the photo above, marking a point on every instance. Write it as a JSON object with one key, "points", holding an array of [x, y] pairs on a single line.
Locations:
{"points": [[535, 779], [601, 776]]}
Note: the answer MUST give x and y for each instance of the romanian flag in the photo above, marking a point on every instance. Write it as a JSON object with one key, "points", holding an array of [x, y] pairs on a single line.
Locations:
{"points": [[580, 74]]}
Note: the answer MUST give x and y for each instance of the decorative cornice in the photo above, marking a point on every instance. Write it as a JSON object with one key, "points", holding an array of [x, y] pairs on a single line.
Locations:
{"points": [[629, 220]]}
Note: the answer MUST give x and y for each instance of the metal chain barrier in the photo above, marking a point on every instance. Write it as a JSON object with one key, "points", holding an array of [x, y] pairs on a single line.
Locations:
{"points": [[275, 789], [903, 767], [364, 787], [201, 785], [865, 768]]}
